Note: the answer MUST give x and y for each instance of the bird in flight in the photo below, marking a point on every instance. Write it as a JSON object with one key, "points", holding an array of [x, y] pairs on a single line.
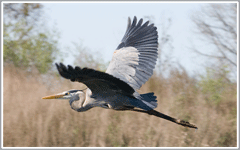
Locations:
{"points": [[131, 66]]}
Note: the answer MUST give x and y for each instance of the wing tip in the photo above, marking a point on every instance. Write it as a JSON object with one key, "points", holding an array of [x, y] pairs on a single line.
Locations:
{"points": [[137, 31]]}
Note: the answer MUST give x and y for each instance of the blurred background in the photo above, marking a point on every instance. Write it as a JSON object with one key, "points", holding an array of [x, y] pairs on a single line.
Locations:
{"points": [[195, 78]]}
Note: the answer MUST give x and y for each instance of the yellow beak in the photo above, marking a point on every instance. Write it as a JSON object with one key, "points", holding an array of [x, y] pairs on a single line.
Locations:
{"points": [[53, 96]]}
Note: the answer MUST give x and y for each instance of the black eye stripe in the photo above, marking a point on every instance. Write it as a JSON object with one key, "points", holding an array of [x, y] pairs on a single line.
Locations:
{"points": [[73, 91]]}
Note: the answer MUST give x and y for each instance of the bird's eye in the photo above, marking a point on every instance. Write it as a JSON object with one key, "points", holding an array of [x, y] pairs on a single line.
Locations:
{"points": [[67, 93]]}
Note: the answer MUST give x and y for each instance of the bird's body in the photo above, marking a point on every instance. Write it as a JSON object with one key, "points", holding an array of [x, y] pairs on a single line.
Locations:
{"points": [[131, 66], [108, 100]]}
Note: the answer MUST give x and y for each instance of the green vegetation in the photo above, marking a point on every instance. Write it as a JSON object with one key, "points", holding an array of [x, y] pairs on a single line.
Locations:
{"points": [[26, 43], [213, 86]]}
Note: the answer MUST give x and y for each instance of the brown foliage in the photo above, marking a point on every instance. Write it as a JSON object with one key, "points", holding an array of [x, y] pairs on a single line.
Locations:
{"points": [[30, 121]]}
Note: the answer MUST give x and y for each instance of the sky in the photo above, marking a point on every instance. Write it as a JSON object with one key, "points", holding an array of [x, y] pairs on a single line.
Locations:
{"points": [[101, 26]]}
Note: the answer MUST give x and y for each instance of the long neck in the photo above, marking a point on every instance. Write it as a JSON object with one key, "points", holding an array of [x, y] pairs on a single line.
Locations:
{"points": [[80, 109], [79, 102]]}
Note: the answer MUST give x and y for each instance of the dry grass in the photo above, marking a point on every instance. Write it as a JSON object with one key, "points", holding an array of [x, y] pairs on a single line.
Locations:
{"points": [[30, 121]]}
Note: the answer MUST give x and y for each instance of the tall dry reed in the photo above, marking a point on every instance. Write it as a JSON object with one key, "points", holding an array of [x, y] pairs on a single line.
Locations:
{"points": [[30, 121]]}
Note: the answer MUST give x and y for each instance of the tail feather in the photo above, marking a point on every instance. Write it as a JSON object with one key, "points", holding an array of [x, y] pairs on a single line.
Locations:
{"points": [[150, 99], [146, 101]]}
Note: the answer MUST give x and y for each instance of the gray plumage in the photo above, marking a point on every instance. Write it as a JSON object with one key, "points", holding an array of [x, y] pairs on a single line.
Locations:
{"points": [[136, 56], [131, 66]]}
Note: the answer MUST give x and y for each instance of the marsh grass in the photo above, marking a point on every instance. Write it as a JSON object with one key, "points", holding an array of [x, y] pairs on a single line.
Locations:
{"points": [[30, 121]]}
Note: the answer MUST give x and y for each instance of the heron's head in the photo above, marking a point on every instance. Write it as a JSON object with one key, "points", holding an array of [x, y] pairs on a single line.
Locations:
{"points": [[67, 95]]}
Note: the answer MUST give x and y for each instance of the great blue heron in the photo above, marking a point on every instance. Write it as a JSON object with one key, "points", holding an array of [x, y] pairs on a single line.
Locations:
{"points": [[131, 66]]}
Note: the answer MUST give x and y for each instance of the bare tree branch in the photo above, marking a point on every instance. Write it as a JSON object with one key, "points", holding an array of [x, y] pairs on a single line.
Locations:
{"points": [[216, 24], [212, 56]]}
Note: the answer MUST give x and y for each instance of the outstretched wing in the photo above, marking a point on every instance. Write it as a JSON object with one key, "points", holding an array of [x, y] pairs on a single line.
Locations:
{"points": [[136, 56], [97, 81]]}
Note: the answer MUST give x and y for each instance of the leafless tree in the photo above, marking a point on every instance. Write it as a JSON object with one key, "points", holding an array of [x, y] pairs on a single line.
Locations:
{"points": [[217, 26]]}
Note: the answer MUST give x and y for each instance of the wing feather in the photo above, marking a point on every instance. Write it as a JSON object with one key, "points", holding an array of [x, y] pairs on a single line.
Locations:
{"points": [[135, 58], [97, 81]]}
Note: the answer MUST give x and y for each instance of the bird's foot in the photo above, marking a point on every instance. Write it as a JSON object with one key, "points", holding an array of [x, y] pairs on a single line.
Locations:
{"points": [[186, 124]]}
